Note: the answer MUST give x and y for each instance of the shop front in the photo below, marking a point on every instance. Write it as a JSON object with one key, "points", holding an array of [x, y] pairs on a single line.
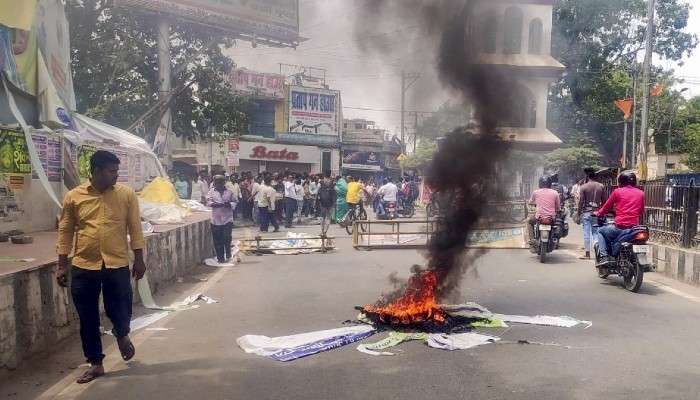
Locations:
{"points": [[257, 157], [363, 164]]}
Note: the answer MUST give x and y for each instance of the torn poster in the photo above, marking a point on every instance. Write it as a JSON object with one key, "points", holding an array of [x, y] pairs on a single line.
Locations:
{"points": [[291, 347], [459, 341], [144, 290], [544, 320], [143, 321], [394, 338]]}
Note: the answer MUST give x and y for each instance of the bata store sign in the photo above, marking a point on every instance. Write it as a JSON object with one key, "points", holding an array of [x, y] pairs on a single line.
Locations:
{"points": [[279, 152]]}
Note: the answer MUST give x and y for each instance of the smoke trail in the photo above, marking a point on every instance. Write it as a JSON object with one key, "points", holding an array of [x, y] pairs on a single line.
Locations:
{"points": [[464, 168]]}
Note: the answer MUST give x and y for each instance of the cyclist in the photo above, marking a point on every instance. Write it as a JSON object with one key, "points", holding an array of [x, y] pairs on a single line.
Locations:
{"points": [[354, 196]]}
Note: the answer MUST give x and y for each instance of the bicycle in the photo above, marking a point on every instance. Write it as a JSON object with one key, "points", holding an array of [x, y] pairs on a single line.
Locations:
{"points": [[352, 216]]}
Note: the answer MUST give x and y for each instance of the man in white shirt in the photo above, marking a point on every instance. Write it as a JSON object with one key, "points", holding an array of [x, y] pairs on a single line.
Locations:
{"points": [[200, 189], [388, 193], [290, 202]]}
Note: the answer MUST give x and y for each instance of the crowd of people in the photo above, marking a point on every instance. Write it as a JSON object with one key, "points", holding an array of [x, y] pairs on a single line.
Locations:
{"points": [[270, 199]]}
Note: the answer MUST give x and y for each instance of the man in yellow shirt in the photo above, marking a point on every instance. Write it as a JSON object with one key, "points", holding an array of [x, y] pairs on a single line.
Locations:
{"points": [[97, 216], [354, 195]]}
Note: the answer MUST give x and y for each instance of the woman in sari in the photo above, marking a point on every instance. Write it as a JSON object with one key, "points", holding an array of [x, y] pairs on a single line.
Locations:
{"points": [[341, 206]]}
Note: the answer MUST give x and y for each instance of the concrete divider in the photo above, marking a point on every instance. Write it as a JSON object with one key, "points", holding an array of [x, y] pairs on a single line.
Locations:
{"points": [[36, 313], [677, 263]]}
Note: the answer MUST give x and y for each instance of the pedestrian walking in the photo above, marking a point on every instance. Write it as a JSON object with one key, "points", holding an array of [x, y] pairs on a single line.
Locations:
{"points": [[325, 201], [101, 213], [590, 200], [222, 201]]}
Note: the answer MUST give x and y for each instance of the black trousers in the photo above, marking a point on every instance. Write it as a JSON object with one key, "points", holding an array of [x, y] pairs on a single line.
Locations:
{"points": [[290, 207], [266, 218], [115, 285], [222, 241]]}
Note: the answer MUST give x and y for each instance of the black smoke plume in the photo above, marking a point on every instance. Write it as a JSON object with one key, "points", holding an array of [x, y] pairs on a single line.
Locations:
{"points": [[464, 170]]}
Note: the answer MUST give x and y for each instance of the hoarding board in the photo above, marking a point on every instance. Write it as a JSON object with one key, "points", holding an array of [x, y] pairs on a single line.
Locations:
{"points": [[313, 110], [247, 82], [361, 160], [260, 20]]}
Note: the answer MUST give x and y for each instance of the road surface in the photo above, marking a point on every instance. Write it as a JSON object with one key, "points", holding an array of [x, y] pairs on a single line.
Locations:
{"points": [[639, 346]]}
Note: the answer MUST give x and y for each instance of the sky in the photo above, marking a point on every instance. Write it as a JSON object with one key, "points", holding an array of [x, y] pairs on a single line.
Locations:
{"points": [[370, 83]]}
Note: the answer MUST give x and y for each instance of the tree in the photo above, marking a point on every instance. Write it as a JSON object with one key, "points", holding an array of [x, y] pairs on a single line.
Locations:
{"points": [[692, 138], [443, 121], [570, 162], [599, 42], [422, 157], [114, 60]]}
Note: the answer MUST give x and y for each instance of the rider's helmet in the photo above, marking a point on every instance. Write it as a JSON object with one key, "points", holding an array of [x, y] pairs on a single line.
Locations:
{"points": [[627, 178], [545, 182]]}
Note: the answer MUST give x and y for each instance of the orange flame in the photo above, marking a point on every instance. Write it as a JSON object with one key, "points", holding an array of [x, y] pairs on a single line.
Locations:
{"points": [[417, 304]]}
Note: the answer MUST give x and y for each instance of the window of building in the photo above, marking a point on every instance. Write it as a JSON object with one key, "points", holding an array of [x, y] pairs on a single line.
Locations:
{"points": [[261, 118], [489, 32], [513, 31], [535, 42], [670, 166]]}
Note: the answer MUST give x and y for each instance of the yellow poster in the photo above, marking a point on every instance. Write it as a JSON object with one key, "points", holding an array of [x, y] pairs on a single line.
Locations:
{"points": [[17, 14]]}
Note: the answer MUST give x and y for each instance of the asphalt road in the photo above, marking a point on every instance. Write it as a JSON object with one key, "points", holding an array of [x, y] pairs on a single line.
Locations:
{"points": [[639, 346]]}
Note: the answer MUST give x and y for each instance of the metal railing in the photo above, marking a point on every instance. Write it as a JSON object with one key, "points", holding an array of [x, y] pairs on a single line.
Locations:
{"points": [[256, 244], [387, 234]]}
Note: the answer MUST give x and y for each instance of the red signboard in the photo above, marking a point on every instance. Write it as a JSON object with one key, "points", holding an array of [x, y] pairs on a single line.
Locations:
{"points": [[263, 153]]}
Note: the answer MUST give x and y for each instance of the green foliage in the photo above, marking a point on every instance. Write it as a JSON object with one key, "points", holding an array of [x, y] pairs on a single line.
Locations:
{"points": [[448, 117], [422, 157], [115, 70], [600, 41], [570, 162], [692, 140]]}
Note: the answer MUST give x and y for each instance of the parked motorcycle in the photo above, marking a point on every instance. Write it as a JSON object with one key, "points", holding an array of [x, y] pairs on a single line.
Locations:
{"points": [[632, 257], [547, 235]]}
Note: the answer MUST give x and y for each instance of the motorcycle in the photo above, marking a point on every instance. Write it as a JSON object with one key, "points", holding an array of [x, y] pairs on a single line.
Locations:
{"points": [[632, 257], [406, 209], [389, 211], [547, 235]]}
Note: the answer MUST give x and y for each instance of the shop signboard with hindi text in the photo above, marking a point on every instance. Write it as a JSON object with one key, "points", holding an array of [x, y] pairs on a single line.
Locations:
{"points": [[14, 154], [313, 111], [246, 82], [261, 21]]}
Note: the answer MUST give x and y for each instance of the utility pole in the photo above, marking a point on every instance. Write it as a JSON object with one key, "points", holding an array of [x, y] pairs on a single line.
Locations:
{"points": [[415, 131], [624, 147], [161, 140], [404, 88], [634, 119], [403, 110], [649, 51]]}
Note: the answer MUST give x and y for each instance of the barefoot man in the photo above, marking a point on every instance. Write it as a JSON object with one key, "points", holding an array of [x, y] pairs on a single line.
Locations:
{"points": [[98, 215]]}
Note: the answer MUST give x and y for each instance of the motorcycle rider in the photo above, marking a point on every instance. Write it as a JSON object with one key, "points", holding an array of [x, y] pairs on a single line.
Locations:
{"points": [[628, 203], [547, 201], [388, 194]]}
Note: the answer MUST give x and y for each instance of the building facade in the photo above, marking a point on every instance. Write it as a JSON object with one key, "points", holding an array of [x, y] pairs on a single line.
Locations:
{"points": [[295, 128], [365, 151], [513, 38]]}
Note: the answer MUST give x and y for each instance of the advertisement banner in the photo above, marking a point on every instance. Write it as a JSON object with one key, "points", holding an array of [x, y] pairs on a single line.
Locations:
{"points": [[274, 20], [361, 160], [84, 154], [313, 110], [14, 154], [49, 150], [247, 82], [53, 38]]}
